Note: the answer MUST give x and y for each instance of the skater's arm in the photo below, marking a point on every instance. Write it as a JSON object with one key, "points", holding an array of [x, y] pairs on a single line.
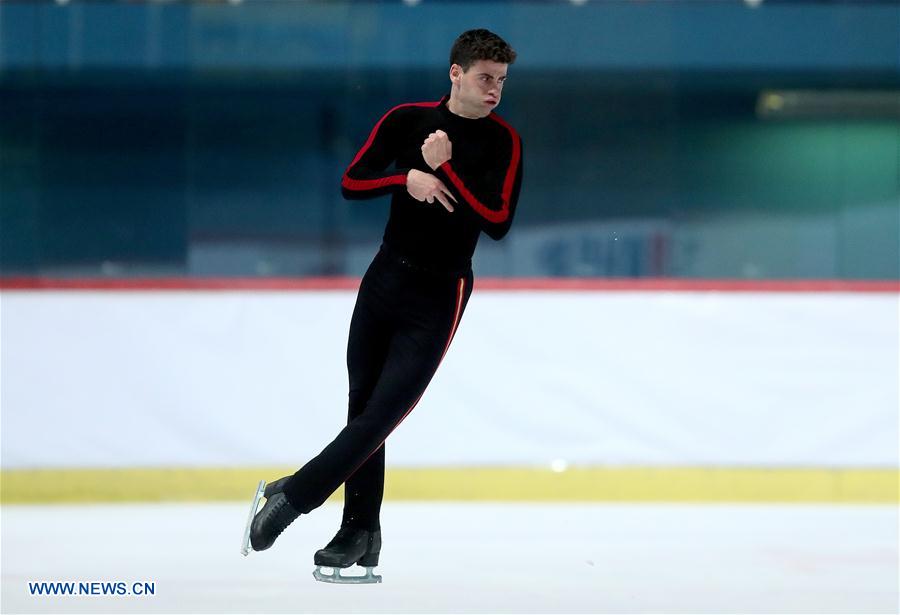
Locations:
{"points": [[490, 195], [367, 176]]}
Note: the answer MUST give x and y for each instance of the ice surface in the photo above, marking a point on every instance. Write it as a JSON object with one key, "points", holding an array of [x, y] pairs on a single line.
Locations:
{"points": [[467, 557]]}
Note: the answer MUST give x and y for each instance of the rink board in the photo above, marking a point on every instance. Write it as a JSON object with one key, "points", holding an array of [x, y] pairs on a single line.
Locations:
{"points": [[787, 485], [595, 378], [769, 392]]}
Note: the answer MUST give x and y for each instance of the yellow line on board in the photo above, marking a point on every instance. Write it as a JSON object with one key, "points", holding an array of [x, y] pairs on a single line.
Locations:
{"points": [[578, 484]]}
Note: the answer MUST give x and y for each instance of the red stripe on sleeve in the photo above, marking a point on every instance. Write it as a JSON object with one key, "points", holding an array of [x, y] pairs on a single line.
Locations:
{"points": [[488, 214], [491, 215], [373, 184], [514, 159]]}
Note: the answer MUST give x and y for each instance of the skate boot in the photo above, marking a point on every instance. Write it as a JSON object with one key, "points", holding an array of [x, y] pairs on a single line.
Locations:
{"points": [[277, 486], [350, 546], [265, 526]]}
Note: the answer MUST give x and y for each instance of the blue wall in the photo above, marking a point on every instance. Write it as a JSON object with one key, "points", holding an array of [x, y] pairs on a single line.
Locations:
{"points": [[197, 139], [272, 34]]}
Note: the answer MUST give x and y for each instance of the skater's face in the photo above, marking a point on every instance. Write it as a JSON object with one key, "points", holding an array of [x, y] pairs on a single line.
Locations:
{"points": [[477, 91]]}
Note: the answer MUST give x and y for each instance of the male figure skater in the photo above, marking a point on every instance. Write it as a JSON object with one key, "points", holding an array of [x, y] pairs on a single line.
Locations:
{"points": [[457, 172]]}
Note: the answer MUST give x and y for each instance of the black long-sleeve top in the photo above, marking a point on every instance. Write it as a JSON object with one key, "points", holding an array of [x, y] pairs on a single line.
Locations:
{"points": [[484, 175]]}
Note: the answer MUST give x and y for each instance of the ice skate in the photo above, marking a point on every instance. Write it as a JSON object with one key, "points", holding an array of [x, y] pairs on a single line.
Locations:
{"points": [[245, 543], [265, 526], [350, 546], [277, 486]]}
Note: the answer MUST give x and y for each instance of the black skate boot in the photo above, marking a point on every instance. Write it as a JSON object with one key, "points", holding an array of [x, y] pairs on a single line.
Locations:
{"points": [[350, 546], [271, 521], [276, 487]]}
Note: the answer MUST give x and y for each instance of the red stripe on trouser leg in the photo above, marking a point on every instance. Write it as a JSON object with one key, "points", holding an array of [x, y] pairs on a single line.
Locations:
{"points": [[460, 294]]}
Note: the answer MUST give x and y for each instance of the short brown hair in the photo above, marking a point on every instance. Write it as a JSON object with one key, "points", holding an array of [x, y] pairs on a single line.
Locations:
{"points": [[481, 44]]}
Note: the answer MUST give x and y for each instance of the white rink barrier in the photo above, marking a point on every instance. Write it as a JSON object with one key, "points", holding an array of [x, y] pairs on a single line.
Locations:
{"points": [[241, 378]]}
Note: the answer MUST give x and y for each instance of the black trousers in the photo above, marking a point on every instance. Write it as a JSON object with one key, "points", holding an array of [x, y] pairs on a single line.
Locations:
{"points": [[404, 320]]}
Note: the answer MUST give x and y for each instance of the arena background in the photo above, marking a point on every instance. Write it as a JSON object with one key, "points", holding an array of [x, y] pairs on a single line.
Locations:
{"points": [[697, 303]]}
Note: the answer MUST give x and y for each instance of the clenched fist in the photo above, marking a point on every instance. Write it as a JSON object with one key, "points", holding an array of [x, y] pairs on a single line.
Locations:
{"points": [[437, 149], [426, 187]]}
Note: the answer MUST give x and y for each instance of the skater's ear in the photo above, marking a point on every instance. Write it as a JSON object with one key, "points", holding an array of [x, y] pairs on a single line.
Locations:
{"points": [[456, 73]]}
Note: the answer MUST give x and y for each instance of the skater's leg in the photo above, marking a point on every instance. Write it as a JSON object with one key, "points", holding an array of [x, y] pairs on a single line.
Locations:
{"points": [[431, 315], [369, 335], [367, 344], [366, 355], [397, 391], [363, 493], [364, 490]]}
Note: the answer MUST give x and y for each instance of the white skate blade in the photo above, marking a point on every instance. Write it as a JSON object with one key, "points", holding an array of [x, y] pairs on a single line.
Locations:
{"points": [[336, 577], [245, 545]]}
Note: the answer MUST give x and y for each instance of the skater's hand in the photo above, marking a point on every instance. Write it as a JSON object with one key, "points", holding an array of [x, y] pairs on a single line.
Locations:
{"points": [[437, 149], [426, 187]]}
